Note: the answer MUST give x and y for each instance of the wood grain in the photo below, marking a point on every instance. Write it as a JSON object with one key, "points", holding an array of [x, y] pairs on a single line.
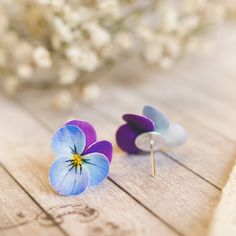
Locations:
{"points": [[199, 93], [19, 213], [163, 189], [197, 159], [26, 154], [212, 112]]}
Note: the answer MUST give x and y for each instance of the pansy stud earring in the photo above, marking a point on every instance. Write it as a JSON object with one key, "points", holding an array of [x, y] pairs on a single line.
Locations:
{"points": [[81, 161], [149, 133]]}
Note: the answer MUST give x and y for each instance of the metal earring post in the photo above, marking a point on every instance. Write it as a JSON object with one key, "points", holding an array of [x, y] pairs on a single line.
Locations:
{"points": [[150, 142], [152, 156]]}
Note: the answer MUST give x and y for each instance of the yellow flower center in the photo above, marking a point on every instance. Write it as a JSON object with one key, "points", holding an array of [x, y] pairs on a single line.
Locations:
{"points": [[77, 160]]}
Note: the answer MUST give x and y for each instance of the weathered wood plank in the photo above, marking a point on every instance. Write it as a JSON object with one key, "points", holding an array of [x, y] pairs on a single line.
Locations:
{"points": [[203, 86], [103, 211], [170, 195], [212, 112], [201, 109], [215, 72], [19, 213], [197, 154]]}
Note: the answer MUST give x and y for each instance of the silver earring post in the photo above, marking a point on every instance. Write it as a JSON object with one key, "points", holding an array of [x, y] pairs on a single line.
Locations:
{"points": [[150, 142], [152, 156]]}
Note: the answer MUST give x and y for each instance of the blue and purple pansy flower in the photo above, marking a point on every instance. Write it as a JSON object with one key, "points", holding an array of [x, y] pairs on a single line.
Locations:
{"points": [[81, 160], [152, 120]]}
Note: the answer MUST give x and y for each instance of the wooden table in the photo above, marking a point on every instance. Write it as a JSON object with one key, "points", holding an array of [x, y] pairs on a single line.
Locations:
{"points": [[199, 92]]}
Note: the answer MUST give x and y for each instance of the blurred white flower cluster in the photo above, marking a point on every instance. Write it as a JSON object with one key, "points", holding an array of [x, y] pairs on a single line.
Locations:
{"points": [[58, 42]]}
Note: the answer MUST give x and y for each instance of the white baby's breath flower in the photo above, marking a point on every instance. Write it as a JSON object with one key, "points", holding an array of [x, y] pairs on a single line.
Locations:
{"points": [[44, 2], [98, 35], [57, 4], [109, 7], [83, 58], [75, 16], [42, 57], [24, 71], [124, 40], [90, 93], [166, 62], [153, 53], [23, 52], [62, 29], [173, 47], [169, 19], [145, 33], [188, 24], [67, 74], [45, 38], [71, 16], [62, 100]]}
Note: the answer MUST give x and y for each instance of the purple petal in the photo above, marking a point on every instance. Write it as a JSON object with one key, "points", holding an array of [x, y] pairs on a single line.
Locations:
{"points": [[103, 147], [127, 133], [125, 138], [140, 123], [87, 128]]}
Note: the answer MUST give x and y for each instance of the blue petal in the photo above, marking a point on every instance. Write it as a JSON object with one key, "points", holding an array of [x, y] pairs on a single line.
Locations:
{"points": [[68, 181], [98, 167], [159, 119], [175, 135], [67, 140]]}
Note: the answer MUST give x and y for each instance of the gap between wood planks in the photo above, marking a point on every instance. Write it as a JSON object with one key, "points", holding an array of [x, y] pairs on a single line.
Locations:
{"points": [[166, 83], [112, 118], [173, 159], [117, 123], [42, 116], [213, 128], [49, 129], [31, 197], [157, 223], [129, 95], [151, 96], [167, 155], [45, 124]]}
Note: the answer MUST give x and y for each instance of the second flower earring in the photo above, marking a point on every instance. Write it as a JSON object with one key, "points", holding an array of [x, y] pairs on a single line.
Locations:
{"points": [[149, 133]]}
